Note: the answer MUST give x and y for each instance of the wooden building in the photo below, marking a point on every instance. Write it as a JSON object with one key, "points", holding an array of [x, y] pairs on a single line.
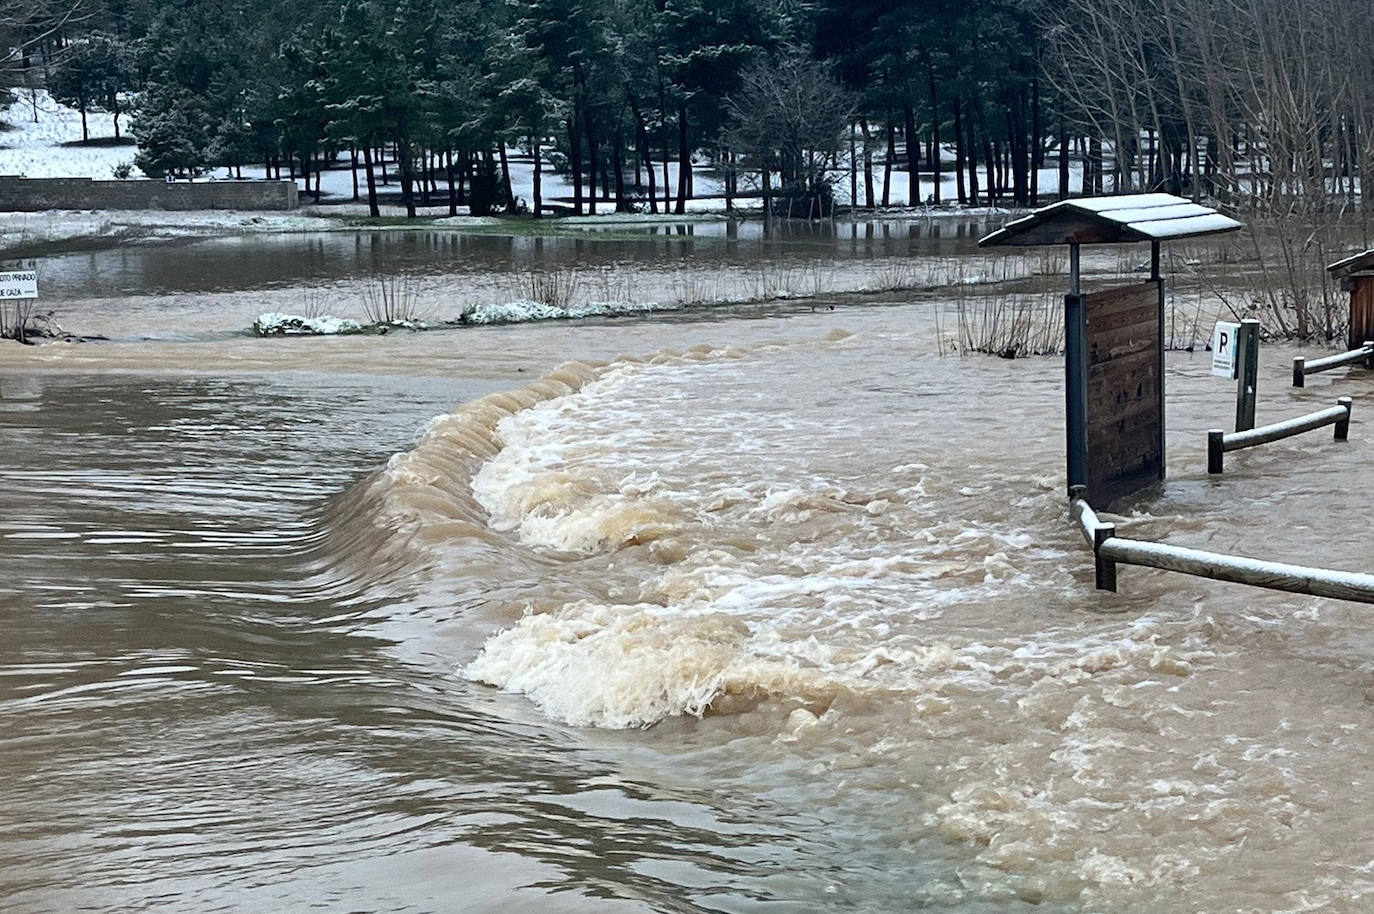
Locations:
{"points": [[1356, 276]]}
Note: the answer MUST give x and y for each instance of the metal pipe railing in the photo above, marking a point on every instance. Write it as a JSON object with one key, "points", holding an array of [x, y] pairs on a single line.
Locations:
{"points": [[1318, 582], [1220, 442], [1109, 550], [1302, 367]]}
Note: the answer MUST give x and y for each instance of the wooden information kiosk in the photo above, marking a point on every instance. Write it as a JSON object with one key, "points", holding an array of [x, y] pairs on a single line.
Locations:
{"points": [[1114, 338]]}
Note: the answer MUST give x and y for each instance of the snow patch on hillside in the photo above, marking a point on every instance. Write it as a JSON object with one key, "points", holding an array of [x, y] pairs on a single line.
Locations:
{"points": [[51, 146]]}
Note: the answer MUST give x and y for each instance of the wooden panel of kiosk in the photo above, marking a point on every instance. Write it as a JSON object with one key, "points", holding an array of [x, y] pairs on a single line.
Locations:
{"points": [[1125, 395]]}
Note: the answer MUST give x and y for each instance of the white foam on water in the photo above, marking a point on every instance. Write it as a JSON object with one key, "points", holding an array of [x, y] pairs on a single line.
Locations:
{"points": [[630, 666], [717, 512]]}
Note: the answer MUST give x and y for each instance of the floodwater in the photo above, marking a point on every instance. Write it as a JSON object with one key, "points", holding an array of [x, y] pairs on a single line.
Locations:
{"points": [[750, 609], [161, 290]]}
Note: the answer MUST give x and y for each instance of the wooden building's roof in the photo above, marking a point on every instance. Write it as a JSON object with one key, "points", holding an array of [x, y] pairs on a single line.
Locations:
{"points": [[1360, 263]]}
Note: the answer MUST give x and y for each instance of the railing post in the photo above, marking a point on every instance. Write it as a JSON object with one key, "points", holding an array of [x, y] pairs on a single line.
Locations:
{"points": [[1299, 378], [1215, 442], [1104, 570], [1343, 425]]}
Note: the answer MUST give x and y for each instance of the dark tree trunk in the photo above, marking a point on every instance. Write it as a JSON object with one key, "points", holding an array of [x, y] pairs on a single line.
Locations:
{"points": [[731, 180], [1209, 163], [505, 178], [593, 154], [888, 160], [684, 162], [538, 202], [989, 158], [424, 177], [972, 147], [372, 207], [452, 189], [667, 157], [618, 162], [959, 152], [913, 156], [645, 153], [1037, 151], [407, 164], [1063, 159], [1017, 152], [868, 165], [853, 168], [1095, 162], [767, 200], [934, 134], [575, 149]]}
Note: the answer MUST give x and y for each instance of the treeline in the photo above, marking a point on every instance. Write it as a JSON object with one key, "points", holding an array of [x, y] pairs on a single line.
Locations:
{"points": [[1258, 103], [782, 97]]}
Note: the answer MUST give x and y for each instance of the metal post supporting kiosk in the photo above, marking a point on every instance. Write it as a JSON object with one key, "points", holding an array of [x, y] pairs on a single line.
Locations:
{"points": [[1076, 375], [1247, 373]]}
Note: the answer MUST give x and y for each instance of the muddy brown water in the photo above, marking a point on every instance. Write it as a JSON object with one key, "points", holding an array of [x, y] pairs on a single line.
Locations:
{"points": [[759, 608]]}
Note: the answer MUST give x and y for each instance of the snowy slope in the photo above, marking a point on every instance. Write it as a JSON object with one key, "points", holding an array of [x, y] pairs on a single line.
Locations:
{"points": [[50, 146]]}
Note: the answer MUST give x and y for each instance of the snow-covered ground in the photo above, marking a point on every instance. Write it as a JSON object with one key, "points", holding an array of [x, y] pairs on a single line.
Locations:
{"points": [[43, 140]]}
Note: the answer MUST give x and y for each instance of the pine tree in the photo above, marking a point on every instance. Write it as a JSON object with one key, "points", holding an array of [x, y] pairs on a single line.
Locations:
{"points": [[90, 75]]}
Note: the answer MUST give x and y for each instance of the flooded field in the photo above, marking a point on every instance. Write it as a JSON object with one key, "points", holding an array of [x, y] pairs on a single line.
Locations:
{"points": [[766, 607]]}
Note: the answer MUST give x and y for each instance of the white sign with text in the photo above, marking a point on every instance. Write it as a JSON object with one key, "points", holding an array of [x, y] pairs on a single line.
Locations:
{"points": [[1224, 349], [20, 284]]}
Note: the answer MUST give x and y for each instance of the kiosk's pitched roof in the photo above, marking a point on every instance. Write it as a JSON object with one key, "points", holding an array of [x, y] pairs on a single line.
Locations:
{"points": [[1112, 220]]}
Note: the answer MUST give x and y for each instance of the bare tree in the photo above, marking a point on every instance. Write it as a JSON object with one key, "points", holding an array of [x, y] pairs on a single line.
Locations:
{"points": [[28, 25], [1263, 105], [793, 116]]}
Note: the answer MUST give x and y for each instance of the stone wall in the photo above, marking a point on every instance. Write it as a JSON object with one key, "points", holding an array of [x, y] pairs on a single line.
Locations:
{"points": [[31, 195]]}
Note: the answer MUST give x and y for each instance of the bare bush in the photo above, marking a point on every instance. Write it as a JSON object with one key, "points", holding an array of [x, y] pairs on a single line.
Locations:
{"points": [[15, 319], [1011, 326], [390, 300], [892, 275], [555, 288]]}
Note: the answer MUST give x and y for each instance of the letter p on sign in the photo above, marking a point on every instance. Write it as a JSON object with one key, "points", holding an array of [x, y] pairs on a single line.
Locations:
{"points": [[1224, 349]]}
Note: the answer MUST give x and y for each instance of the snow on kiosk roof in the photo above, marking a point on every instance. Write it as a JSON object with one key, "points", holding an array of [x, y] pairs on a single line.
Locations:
{"points": [[1112, 220]]}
